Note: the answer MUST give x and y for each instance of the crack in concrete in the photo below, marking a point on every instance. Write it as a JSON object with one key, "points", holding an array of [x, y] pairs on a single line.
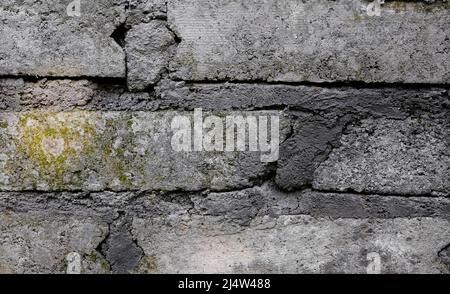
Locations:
{"points": [[444, 255]]}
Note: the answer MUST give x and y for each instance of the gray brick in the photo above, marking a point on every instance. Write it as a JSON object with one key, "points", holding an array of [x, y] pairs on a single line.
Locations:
{"points": [[407, 157], [316, 41], [94, 151], [148, 48], [40, 39], [40, 242], [291, 244]]}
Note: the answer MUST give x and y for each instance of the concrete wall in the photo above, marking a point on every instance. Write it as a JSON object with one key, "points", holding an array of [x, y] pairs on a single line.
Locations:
{"points": [[90, 183]]}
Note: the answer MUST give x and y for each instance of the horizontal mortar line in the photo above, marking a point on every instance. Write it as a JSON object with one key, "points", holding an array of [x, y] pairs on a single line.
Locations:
{"points": [[36, 78], [307, 188], [364, 193], [137, 191], [370, 216], [42, 192], [335, 84], [226, 191], [93, 109], [129, 209], [104, 210]]}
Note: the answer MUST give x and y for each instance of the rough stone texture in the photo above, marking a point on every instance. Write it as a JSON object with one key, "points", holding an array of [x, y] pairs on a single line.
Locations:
{"points": [[317, 41], [409, 157], [148, 48], [252, 215], [236, 206], [90, 183], [94, 151], [40, 39], [64, 95], [243, 206], [291, 244], [143, 11], [40, 242], [444, 254], [386, 101]]}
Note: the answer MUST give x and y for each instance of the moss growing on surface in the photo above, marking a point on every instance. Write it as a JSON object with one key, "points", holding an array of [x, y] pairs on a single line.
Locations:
{"points": [[55, 142]]}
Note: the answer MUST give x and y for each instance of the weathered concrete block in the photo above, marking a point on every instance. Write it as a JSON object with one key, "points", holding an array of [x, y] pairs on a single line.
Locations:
{"points": [[317, 41], [260, 229], [40, 39], [41, 243], [94, 151], [148, 48], [291, 244], [404, 157], [142, 11]]}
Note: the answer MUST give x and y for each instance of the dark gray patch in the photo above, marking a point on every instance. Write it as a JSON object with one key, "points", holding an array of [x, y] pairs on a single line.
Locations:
{"points": [[313, 139], [444, 255], [119, 248]]}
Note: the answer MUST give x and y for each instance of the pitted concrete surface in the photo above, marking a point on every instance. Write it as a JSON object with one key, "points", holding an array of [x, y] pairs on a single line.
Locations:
{"points": [[316, 41], [90, 181]]}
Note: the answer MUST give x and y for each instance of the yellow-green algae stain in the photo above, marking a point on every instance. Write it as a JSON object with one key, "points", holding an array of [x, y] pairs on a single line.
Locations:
{"points": [[3, 124], [62, 151], [114, 156], [54, 142], [147, 265]]}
